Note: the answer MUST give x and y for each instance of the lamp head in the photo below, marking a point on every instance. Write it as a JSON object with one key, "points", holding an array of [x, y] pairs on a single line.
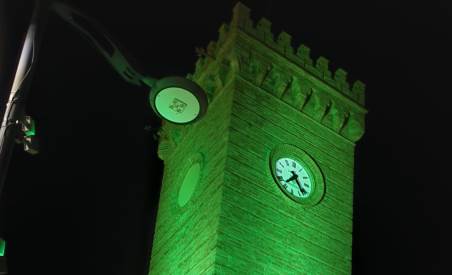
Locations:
{"points": [[178, 100]]}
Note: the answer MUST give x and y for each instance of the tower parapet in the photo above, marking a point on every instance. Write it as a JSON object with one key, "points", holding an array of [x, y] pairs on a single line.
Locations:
{"points": [[251, 52], [301, 56], [308, 85]]}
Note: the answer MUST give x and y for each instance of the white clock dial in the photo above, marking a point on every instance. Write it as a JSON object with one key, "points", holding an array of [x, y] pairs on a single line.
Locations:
{"points": [[293, 177]]}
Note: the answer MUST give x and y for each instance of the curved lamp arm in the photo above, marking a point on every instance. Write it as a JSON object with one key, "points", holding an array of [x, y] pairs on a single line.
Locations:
{"points": [[175, 99], [102, 41]]}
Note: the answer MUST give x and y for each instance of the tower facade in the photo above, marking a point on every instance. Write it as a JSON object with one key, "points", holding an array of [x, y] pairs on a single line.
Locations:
{"points": [[263, 184]]}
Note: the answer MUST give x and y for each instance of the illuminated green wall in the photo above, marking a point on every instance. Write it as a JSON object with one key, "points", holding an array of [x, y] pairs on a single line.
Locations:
{"points": [[262, 94]]}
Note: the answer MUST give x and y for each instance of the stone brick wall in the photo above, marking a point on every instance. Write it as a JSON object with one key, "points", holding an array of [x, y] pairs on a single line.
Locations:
{"points": [[262, 94], [185, 237], [263, 231]]}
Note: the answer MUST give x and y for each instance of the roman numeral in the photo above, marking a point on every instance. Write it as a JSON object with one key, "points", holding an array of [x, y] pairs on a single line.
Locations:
{"points": [[287, 162], [278, 170], [294, 164], [279, 178]]}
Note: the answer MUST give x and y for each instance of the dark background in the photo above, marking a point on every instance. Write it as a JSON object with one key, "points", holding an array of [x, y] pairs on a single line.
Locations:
{"points": [[86, 204]]}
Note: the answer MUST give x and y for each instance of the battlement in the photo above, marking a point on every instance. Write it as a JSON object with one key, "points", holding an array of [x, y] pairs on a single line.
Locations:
{"points": [[252, 53], [301, 56]]}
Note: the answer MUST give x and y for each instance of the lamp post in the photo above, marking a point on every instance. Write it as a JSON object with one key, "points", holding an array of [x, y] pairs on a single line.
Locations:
{"points": [[175, 99], [14, 115]]}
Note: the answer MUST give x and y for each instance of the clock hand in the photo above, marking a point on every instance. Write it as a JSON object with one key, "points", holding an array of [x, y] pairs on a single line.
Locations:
{"points": [[303, 191], [297, 180], [294, 176], [291, 178]]}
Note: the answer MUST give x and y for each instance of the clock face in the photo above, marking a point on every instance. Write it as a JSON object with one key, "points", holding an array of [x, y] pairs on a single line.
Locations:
{"points": [[297, 174], [294, 178]]}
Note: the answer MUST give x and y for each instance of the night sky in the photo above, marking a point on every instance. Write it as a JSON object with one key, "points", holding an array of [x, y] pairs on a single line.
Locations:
{"points": [[86, 204]]}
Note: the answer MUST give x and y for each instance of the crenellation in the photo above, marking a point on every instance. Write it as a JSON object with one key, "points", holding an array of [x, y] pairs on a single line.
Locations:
{"points": [[222, 33], [304, 54], [263, 30], [340, 77], [241, 17], [263, 33], [322, 66], [284, 43], [294, 88]]}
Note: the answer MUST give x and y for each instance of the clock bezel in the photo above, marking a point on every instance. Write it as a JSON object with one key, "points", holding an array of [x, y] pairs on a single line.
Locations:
{"points": [[316, 176]]}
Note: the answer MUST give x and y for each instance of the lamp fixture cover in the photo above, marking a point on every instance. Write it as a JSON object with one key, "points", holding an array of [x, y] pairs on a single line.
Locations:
{"points": [[178, 100]]}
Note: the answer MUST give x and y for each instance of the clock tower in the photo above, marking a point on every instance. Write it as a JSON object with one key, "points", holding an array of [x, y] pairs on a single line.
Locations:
{"points": [[263, 183]]}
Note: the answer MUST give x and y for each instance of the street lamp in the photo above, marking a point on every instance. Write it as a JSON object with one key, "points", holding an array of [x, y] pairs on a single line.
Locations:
{"points": [[178, 100], [175, 99]]}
